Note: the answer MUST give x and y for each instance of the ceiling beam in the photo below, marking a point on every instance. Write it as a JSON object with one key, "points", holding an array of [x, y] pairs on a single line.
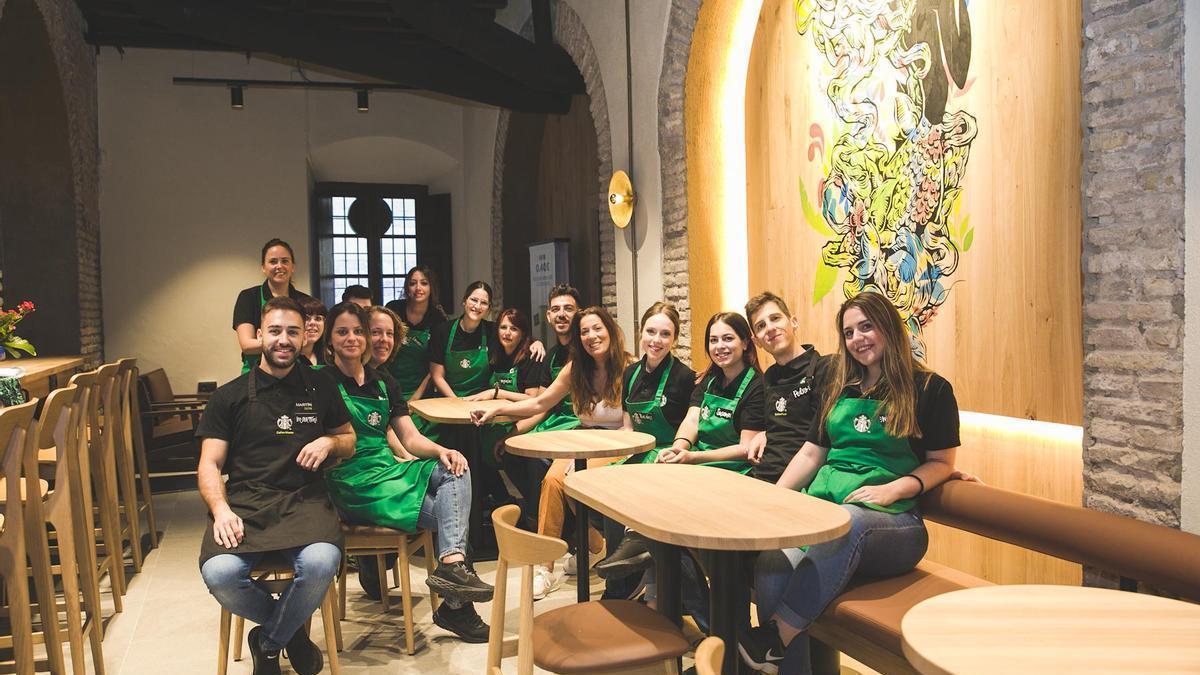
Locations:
{"points": [[244, 28]]}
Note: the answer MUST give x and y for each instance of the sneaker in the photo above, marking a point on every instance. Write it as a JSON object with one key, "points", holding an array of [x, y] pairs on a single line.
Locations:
{"points": [[458, 580], [463, 622], [304, 656], [544, 582], [571, 567], [265, 662], [632, 555], [761, 650]]}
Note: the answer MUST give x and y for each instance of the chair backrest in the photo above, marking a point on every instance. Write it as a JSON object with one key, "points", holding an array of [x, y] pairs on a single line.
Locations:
{"points": [[15, 437], [126, 375], [1162, 557], [518, 547], [158, 386], [59, 424], [709, 655]]}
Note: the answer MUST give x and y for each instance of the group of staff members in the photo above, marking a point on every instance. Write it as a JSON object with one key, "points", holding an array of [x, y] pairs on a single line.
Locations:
{"points": [[870, 428]]}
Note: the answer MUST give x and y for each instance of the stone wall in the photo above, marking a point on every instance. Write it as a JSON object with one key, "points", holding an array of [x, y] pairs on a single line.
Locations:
{"points": [[1133, 236], [572, 36]]}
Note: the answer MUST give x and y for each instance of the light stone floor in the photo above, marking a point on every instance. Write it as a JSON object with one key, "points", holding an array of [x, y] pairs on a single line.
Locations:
{"points": [[170, 622]]}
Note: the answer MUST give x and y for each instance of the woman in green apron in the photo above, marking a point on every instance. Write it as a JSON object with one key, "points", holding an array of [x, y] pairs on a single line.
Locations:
{"points": [[727, 405], [383, 484], [515, 377], [658, 387], [887, 432], [420, 312], [278, 264], [313, 351]]}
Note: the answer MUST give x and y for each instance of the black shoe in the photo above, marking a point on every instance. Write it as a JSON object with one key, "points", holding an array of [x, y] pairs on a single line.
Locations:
{"points": [[265, 662], [458, 580], [368, 576], [463, 622], [632, 555], [304, 656], [760, 649]]}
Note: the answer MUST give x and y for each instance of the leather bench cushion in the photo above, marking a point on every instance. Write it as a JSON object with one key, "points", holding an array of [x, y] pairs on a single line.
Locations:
{"points": [[170, 426], [603, 635], [873, 608]]}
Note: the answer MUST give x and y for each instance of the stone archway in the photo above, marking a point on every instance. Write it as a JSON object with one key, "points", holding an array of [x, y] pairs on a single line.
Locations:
{"points": [[50, 135], [572, 36]]}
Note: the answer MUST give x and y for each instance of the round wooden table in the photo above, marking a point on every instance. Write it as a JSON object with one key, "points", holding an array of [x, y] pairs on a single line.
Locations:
{"points": [[1051, 629], [683, 505], [457, 411], [580, 445]]}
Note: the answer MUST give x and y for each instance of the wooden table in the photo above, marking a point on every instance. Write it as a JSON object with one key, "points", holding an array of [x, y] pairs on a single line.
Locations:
{"points": [[457, 411], [1051, 629], [580, 445], [41, 372], [708, 508]]}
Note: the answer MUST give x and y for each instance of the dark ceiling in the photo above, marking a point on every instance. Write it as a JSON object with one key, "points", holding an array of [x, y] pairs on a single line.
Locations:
{"points": [[451, 47]]}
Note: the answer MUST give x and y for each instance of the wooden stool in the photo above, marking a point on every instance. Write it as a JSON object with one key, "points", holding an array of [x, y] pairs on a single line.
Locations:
{"points": [[99, 495], [709, 655], [275, 575], [15, 423], [113, 431], [135, 442], [592, 636], [378, 541]]}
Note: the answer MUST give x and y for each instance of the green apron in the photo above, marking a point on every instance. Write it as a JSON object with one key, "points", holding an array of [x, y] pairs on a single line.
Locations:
{"points": [[490, 434], [411, 363], [372, 486], [562, 417], [716, 424], [647, 417], [861, 452], [251, 360], [467, 372]]}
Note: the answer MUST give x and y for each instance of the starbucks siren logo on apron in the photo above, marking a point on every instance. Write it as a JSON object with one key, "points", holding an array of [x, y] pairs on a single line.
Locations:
{"points": [[704, 413], [464, 364], [781, 405], [862, 424], [284, 423], [374, 418]]}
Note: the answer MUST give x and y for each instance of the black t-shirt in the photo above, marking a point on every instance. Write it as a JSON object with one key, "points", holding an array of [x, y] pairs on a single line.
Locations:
{"points": [[678, 391], [937, 416], [529, 372], [749, 411], [792, 399], [225, 415], [248, 309], [398, 407], [433, 318], [463, 340], [558, 356]]}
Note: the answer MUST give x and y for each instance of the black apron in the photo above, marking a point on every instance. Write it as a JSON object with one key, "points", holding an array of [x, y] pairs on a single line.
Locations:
{"points": [[281, 505], [788, 415]]}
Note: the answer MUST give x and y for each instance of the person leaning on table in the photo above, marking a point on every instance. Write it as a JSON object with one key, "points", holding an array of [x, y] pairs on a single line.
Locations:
{"points": [[887, 432], [274, 430]]}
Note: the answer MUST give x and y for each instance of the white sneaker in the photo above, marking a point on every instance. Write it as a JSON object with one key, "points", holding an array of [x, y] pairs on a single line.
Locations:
{"points": [[571, 567], [544, 582]]}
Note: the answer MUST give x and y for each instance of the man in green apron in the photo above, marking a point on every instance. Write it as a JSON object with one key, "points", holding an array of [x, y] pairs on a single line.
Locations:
{"points": [[278, 264], [273, 430], [791, 386]]}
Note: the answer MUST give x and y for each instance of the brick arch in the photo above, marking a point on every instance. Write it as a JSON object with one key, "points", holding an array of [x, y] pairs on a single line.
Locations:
{"points": [[572, 36], [75, 63]]}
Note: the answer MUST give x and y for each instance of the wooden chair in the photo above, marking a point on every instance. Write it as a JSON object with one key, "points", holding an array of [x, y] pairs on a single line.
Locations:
{"points": [[168, 422], [709, 655], [112, 437], [135, 443], [98, 496], [15, 422], [378, 541], [274, 575], [599, 635]]}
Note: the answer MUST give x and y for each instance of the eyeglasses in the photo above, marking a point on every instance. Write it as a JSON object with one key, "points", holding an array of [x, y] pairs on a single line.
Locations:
{"points": [[478, 303]]}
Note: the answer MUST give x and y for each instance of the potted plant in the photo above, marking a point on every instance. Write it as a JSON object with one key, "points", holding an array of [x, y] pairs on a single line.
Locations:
{"points": [[13, 344]]}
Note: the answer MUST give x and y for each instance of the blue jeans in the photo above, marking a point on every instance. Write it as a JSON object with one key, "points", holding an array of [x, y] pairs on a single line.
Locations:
{"points": [[796, 586], [446, 510], [227, 576]]}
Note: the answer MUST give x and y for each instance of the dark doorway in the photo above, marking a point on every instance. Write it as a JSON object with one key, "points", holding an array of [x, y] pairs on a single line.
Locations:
{"points": [[551, 191], [38, 246]]}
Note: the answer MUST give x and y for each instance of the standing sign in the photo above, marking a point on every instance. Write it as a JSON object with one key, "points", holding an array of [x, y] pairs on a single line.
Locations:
{"points": [[549, 264]]}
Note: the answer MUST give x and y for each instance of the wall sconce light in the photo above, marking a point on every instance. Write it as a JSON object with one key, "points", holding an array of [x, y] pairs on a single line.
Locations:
{"points": [[235, 97], [621, 199], [363, 102]]}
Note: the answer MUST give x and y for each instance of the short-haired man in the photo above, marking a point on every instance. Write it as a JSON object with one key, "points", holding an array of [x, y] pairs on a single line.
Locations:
{"points": [[358, 294], [273, 430], [791, 386]]}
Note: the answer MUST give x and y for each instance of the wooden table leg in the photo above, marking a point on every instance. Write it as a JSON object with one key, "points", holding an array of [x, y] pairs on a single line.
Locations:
{"points": [[583, 581]]}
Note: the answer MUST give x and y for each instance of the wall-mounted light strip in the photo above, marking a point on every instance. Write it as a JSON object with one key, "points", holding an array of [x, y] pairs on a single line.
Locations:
{"points": [[1052, 431]]}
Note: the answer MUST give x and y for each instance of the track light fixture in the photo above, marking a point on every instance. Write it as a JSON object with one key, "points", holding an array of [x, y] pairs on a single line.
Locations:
{"points": [[235, 97], [363, 102]]}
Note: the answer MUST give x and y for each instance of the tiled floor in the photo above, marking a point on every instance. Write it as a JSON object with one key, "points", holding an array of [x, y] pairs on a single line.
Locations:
{"points": [[170, 622]]}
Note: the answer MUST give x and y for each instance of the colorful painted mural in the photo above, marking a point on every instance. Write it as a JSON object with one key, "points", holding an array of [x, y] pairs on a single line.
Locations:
{"points": [[889, 201]]}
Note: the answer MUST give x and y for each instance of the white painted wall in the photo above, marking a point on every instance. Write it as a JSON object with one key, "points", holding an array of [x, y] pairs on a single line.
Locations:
{"points": [[1191, 345], [190, 189]]}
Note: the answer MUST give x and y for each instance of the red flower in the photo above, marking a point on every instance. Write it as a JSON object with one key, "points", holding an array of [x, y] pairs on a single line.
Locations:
{"points": [[25, 307]]}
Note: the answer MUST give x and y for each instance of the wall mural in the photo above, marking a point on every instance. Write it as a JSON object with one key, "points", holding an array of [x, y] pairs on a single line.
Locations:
{"points": [[889, 201]]}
